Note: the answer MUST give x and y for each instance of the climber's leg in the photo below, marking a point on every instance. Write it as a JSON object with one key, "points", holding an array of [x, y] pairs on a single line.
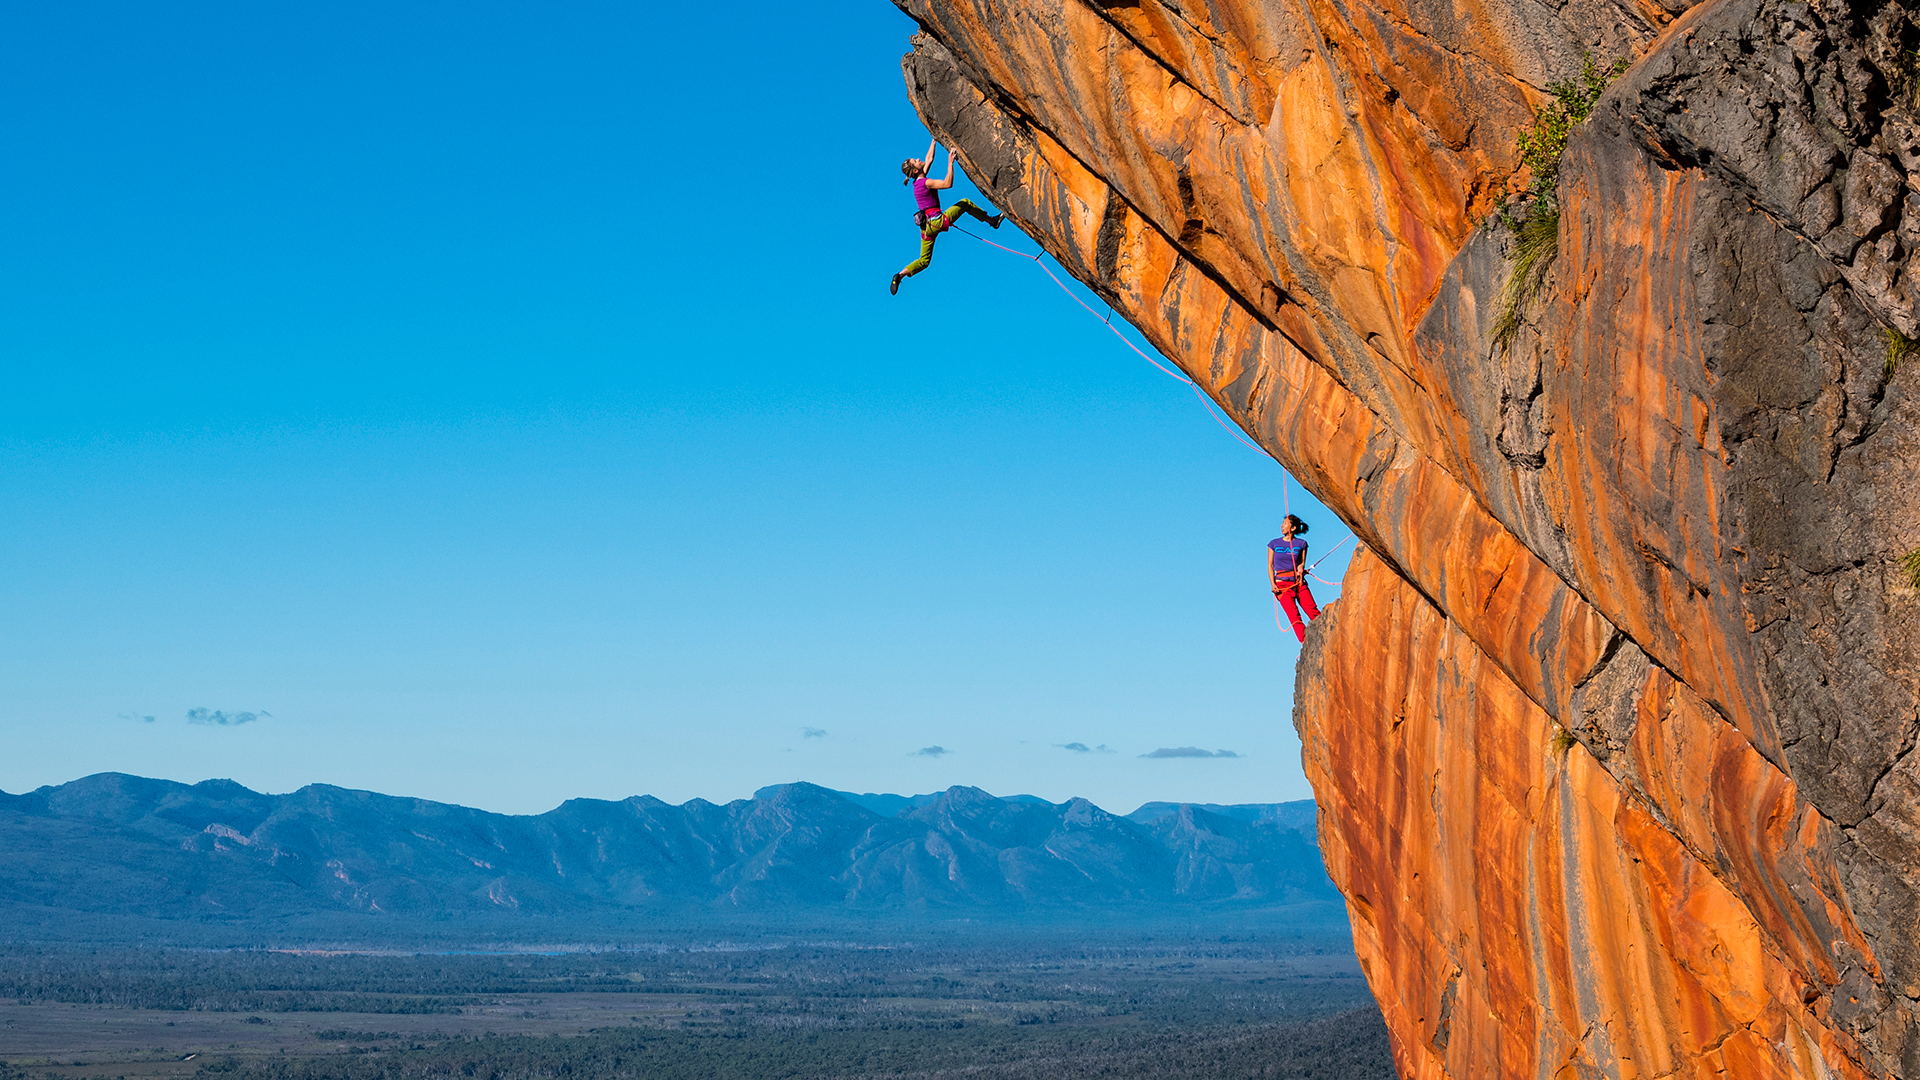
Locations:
{"points": [[966, 206], [1293, 612], [1306, 599], [953, 213], [926, 254]]}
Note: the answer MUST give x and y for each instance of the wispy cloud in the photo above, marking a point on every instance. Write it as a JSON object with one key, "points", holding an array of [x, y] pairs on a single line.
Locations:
{"points": [[135, 716], [931, 751], [224, 719], [813, 733], [1083, 748], [1188, 751]]}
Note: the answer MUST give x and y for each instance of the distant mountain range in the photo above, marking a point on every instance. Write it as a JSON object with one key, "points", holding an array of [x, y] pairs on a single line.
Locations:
{"points": [[123, 845]]}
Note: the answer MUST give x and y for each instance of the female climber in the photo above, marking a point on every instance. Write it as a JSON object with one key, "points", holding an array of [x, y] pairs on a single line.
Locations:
{"points": [[929, 218], [1287, 567]]}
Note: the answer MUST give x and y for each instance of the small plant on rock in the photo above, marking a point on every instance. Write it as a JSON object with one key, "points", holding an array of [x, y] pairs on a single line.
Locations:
{"points": [[1537, 241], [1910, 566], [1899, 347], [1905, 79], [1572, 103], [1536, 224]]}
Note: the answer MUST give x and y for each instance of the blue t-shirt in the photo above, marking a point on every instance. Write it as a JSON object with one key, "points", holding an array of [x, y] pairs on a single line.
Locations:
{"points": [[1288, 554]]}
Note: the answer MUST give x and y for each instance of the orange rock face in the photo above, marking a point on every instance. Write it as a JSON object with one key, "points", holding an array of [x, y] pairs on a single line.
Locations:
{"points": [[1612, 728]]}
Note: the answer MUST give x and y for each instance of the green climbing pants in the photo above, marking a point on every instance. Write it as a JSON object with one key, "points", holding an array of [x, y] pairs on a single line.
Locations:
{"points": [[937, 225]]}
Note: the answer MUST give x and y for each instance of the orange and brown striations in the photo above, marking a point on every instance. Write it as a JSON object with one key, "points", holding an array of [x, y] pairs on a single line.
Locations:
{"points": [[1612, 728]]}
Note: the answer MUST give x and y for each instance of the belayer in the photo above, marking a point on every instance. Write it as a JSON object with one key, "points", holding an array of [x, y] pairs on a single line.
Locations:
{"points": [[929, 218], [1287, 567]]}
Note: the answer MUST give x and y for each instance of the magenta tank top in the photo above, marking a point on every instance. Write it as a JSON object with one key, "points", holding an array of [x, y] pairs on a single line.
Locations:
{"points": [[928, 198]]}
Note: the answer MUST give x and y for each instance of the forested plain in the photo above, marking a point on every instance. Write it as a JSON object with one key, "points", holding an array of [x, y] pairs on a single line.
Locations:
{"points": [[980, 1003]]}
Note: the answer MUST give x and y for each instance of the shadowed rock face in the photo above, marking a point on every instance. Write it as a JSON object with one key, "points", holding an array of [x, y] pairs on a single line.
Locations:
{"points": [[1611, 731]]}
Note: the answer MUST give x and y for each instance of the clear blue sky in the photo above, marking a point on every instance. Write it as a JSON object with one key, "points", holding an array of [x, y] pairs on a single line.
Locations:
{"points": [[506, 401]]}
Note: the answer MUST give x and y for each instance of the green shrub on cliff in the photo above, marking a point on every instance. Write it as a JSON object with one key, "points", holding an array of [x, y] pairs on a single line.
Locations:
{"points": [[1537, 241], [1572, 102], [1536, 223], [1899, 347], [1905, 79], [1910, 565]]}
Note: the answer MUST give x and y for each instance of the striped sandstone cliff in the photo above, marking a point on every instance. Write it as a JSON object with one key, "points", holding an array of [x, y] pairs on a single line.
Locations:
{"points": [[1612, 729]]}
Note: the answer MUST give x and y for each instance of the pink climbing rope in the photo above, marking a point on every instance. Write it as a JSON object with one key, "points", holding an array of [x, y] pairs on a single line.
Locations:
{"points": [[1309, 570], [1286, 497], [1330, 552], [1205, 402]]}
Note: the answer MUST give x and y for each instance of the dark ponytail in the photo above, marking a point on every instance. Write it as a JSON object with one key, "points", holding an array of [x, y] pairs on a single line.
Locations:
{"points": [[1299, 527]]}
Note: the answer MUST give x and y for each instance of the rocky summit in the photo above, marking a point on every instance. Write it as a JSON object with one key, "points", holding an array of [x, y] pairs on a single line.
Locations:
{"points": [[1611, 730], [123, 845]]}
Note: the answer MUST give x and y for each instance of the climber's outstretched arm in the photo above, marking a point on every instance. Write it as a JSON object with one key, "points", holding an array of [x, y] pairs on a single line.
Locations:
{"points": [[946, 183]]}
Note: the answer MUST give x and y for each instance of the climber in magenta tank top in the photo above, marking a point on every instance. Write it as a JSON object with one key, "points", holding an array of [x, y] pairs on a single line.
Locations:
{"points": [[927, 197], [928, 217]]}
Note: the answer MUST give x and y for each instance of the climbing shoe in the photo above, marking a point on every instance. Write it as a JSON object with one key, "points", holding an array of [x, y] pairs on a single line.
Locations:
{"points": [[894, 289], [996, 219]]}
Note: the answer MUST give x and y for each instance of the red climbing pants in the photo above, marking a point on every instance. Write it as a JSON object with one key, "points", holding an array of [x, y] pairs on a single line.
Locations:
{"points": [[1287, 591]]}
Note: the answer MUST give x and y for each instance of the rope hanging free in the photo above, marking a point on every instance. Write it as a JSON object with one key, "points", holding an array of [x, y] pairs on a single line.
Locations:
{"points": [[1286, 497], [1309, 570], [1206, 402]]}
